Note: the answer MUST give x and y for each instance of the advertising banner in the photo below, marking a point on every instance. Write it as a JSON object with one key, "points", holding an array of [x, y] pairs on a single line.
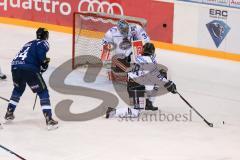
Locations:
{"points": [[196, 1], [213, 28], [224, 3], [59, 12], [208, 27], [217, 2], [219, 29], [186, 25], [233, 37], [235, 3]]}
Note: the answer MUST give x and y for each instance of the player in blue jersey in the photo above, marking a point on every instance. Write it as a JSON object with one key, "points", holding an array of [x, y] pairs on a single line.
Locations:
{"points": [[27, 67]]}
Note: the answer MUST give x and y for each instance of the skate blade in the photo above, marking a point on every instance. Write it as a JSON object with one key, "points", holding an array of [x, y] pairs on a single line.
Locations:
{"points": [[5, 79], [51, 127], [138, 108]]}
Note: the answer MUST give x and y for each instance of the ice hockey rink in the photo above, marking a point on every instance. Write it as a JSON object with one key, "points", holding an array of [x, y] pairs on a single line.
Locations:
{"points": [[210, 85]]}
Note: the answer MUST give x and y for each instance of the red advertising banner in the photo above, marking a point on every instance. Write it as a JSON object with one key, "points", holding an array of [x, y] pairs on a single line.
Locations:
{"points": [[59, 12]]}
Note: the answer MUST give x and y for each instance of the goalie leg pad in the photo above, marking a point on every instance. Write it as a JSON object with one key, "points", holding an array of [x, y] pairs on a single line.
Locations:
{"points": [[120, 64], [116, 76]]}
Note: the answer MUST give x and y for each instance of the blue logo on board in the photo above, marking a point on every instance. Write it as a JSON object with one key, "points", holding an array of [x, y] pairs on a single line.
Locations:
{"points": [[218, 30]]}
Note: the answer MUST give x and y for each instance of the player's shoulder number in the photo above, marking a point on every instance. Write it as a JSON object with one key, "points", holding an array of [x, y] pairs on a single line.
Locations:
{"points": [[23, 53]]}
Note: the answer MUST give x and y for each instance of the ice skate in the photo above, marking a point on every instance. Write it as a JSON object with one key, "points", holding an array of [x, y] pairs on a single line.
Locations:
{"points": [[3, 76], [51, 123], [149, 106], [110, 112], [9, 116]]}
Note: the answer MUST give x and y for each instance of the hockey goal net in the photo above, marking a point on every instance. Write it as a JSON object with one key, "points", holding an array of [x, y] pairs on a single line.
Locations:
{"points": [[88, 31]]}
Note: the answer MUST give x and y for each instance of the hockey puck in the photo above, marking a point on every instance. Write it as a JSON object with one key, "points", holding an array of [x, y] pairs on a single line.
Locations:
{"points": [[223, 122]]}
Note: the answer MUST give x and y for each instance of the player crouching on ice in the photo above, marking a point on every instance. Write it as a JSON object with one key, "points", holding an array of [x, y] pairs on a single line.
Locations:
{"points": [[2, 76], [27, 67], [139, 78]]}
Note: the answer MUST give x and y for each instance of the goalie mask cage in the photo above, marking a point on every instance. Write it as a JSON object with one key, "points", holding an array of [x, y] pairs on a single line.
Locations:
{"points": [[89, 29]]}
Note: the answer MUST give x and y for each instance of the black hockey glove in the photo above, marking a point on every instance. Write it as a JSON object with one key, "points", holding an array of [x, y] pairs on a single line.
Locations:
{"points": [[171, 87], [163, 73], [44, 65]]}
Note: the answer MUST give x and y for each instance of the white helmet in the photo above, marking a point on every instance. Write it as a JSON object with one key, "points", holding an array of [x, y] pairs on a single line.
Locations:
{"points": [[123, 27]]}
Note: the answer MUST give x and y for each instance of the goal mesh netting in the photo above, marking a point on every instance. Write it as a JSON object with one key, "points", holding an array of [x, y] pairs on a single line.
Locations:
{"points": [[88, 31]]}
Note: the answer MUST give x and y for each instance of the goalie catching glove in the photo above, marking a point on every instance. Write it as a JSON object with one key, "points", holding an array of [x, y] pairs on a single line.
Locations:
{"points": [[171, 87], [44, 65]]}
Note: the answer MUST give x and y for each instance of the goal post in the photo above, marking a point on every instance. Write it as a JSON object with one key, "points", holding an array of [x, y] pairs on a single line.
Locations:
{"points": [[89, 29]]}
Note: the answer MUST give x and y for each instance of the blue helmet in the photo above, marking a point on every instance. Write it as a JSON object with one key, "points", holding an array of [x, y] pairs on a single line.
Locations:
{"points": [[123, 27], [42, 33]]}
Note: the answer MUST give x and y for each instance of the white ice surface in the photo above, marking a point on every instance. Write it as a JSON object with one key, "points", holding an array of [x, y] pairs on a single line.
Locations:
{"points": [[211, 85]]}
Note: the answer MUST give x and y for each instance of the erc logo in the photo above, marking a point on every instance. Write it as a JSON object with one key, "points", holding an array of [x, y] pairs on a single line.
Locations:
{"points": [[218, 31]]}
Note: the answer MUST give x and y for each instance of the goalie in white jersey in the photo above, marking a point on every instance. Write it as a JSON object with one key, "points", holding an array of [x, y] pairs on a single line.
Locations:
{"points": [[120, 39], [145, 72]]}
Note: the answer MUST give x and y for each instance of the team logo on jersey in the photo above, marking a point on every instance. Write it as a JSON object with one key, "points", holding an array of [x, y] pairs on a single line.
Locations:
{"points": [[218, 31], [125, 44]]}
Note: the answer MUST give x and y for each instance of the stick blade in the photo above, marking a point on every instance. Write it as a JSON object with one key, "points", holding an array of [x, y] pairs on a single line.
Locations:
{"points": [[210, 125]]}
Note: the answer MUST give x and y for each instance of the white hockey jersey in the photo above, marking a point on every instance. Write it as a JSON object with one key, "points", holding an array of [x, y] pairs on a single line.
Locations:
{"points": [[141, 65], [122, 45], [145, 65]]}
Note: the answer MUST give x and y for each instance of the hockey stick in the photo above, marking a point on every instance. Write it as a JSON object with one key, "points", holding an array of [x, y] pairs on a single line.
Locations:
{"points": [[5, 99], [8, 150], [35, 102], [34, 105], [208, 123]]}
